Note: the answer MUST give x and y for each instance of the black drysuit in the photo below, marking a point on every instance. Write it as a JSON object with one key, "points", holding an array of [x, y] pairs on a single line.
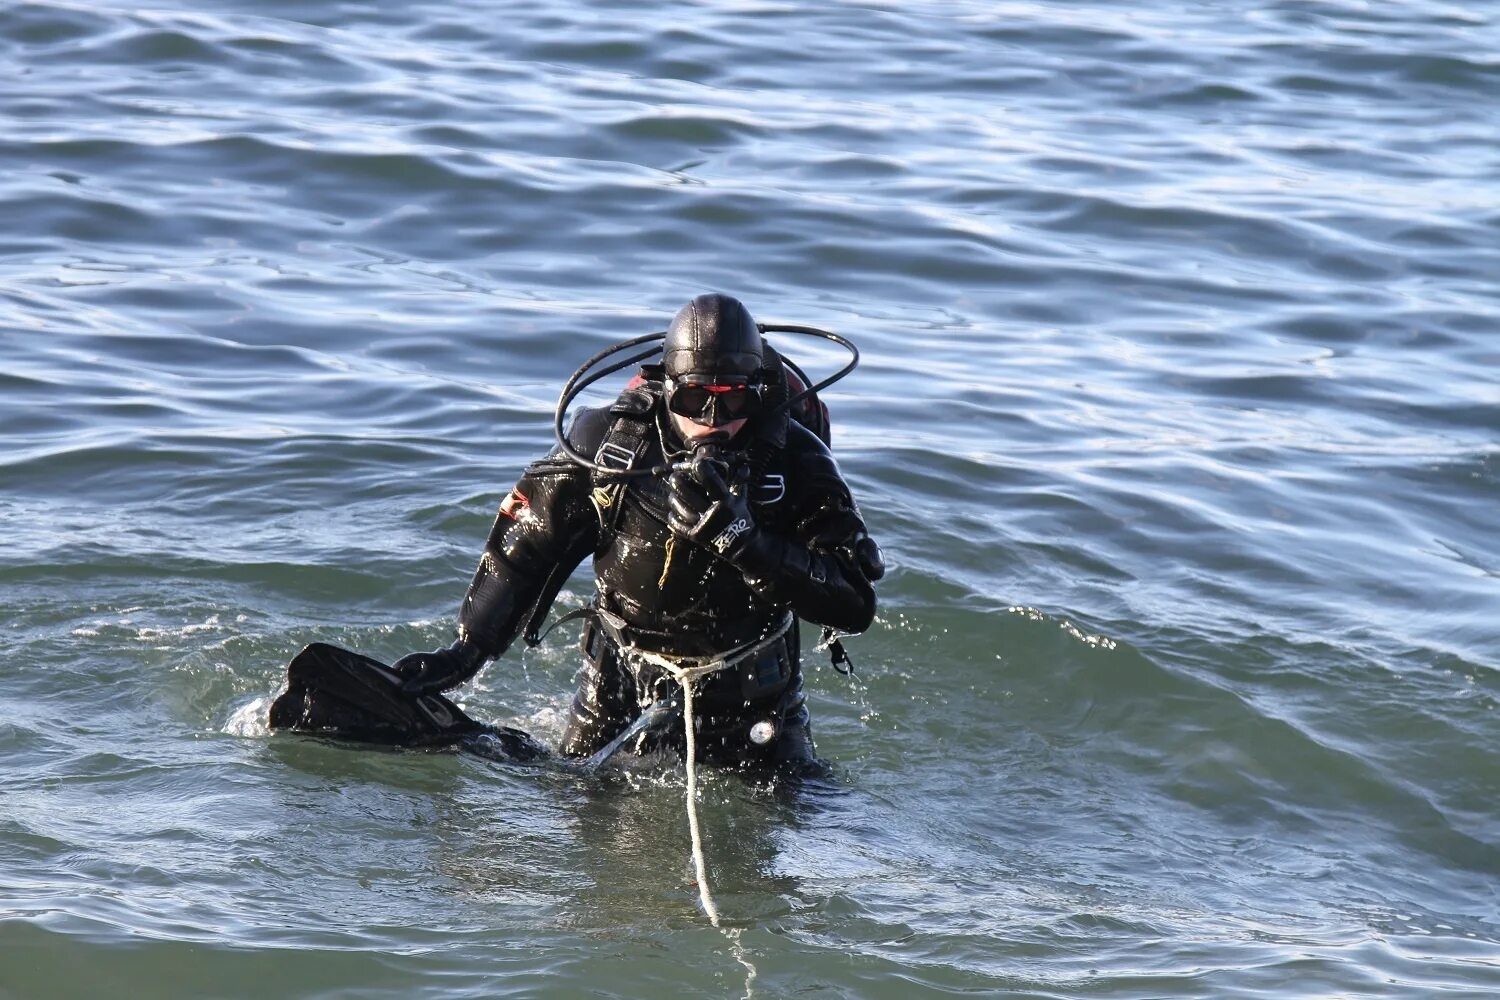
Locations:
{"points": [[664, 594]]}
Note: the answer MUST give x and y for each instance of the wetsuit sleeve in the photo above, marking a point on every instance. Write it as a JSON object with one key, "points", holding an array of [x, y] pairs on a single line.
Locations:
{"points": [[545, 527], [825, 569]]}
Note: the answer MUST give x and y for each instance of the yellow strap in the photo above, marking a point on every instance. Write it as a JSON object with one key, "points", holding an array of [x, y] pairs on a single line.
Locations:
{"points": [[666, 564]]}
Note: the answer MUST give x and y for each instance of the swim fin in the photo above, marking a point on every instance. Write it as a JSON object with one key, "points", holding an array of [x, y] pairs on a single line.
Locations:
{"points": [[337, 692]]}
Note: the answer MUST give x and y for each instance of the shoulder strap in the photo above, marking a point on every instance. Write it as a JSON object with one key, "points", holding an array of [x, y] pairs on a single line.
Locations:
{"points": [[629, 436]]}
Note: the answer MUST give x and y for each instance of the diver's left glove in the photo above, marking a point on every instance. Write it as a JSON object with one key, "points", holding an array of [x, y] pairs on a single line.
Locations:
{"points": [[439, 670]]}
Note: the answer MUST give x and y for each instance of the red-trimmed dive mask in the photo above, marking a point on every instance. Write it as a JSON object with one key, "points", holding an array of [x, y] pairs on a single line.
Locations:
{"points": [[714, 401]]}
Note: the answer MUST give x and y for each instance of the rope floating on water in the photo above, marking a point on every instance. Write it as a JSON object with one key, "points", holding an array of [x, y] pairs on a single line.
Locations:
{"points": [[686, 677], [700, 865]]}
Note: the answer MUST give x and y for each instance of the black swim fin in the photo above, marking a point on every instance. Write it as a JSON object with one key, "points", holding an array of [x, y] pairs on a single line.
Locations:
{"points": [[337, 692]]}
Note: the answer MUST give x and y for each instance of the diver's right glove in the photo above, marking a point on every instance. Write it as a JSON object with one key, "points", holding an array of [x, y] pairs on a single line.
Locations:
{"points": [[439, 670], [708, 512]]}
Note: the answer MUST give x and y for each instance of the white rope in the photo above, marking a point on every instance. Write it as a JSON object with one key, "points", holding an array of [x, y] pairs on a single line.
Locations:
{"points": [[686, 677]]}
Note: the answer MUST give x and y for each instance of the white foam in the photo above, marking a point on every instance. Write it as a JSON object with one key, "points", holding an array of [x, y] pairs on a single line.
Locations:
{"points": [[250, 719]]}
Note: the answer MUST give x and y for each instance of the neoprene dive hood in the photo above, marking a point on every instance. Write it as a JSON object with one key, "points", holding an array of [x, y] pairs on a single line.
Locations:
{"points": [[713, 338], [713, 335]]}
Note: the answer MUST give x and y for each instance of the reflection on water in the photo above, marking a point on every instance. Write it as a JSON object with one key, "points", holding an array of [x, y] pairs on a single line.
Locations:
{"points": [[1176, 423]]}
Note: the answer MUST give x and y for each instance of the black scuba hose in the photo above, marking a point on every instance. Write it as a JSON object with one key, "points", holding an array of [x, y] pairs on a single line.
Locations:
{"points": [[577, 383], [574, 387], [813, 331]]}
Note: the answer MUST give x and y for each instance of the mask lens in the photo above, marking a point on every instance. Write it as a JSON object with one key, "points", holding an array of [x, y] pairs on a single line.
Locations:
{"points": [[738, 402], [689, 400], [714, 404]]}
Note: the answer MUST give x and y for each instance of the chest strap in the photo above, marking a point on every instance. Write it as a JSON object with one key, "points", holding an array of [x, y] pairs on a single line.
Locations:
{"points": [[627, 440]]}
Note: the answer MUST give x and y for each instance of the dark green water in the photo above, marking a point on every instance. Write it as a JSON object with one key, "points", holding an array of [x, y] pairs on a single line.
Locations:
{"points": [[1179, 421]]}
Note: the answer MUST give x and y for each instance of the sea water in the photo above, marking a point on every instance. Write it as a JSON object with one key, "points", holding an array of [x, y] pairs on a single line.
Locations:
{"points": [[1177, 422]]}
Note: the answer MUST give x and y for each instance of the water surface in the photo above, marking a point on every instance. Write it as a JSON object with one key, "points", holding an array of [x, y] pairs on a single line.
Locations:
{"points": [[1178, 421]]}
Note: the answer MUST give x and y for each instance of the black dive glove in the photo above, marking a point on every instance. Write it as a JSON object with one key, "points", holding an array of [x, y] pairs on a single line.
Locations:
{"points": [[439, 670], [707, 512]]}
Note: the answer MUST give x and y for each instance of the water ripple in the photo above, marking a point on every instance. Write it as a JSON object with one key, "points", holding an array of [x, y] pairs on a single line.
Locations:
{"points": [[1177, 422]]}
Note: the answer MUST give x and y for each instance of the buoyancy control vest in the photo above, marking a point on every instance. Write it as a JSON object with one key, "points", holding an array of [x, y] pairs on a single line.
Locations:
{"points": [[634, 558], [637, 425]]}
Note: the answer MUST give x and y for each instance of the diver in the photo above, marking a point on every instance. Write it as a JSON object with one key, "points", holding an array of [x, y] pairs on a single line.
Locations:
{"points": [[716, 518], [753, 529]]}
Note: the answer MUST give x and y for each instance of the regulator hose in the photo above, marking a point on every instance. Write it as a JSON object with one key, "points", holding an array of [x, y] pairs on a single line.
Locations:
{"points": [[584, 377]]}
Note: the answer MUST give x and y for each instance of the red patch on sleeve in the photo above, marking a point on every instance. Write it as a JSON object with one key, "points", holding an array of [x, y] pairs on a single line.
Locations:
{"points": [[513, 503]]}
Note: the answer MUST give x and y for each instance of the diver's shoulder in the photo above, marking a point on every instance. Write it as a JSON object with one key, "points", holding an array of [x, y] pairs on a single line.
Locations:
{"points": [[810, 462], [805, 445], [588, 429]]}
